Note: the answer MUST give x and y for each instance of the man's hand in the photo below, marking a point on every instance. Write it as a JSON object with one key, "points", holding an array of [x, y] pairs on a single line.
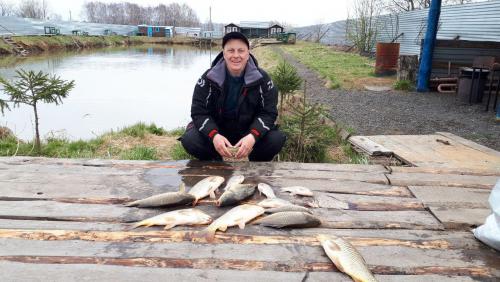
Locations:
{"points": [[246, 145], [221, 143]]}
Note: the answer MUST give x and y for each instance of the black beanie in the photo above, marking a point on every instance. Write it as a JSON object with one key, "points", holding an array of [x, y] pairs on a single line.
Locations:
{"points": [[235, 35]]}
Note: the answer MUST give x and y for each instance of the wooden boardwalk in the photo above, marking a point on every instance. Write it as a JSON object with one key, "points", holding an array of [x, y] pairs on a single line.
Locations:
{"points": [[63, 220]]}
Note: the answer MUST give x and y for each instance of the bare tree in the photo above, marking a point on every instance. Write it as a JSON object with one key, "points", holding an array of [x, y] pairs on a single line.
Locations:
{"points": [[410, 5], [319, 31], [37, 9], [6, 8], [362, 29]]}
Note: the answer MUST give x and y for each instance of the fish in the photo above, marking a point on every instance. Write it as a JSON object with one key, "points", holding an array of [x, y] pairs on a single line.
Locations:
{"points": [[298, 190], [346, 258], [289, 208], [175, 218], [274, 203], [235, 194], [266, 190], [166, 199], [206, 187], [235, 179], [238, 215], [289, 219]]}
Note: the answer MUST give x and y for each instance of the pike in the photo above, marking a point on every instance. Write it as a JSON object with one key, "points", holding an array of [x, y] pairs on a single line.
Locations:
{"points": [[238, 215], [175, 218], [235, 194], [235, 179], [346, 258], [290, 219], [266, 190], [206, 187], [298, 190], [166, 199]]}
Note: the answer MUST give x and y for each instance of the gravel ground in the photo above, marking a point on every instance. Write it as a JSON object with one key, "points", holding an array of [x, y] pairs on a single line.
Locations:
{"points": [[396, 112]]}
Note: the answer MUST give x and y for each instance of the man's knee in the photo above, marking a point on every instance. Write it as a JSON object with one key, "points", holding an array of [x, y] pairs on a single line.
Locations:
{"points": [[269, 146], [196, 144]]}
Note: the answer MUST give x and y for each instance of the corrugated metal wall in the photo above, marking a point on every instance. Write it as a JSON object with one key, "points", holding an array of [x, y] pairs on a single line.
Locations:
{"points": [[473, 21]]}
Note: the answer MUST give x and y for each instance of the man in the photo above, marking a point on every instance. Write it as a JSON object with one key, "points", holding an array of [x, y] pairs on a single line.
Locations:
{"points": [[234, 105]]}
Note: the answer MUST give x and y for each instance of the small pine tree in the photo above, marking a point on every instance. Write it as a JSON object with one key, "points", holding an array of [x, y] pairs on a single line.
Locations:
{"points": [[32, 88], [287, 80]]}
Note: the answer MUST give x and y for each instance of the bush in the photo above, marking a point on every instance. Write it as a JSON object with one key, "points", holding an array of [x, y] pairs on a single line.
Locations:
{"points": [[178, 153], [140, 129], [404, 85]]}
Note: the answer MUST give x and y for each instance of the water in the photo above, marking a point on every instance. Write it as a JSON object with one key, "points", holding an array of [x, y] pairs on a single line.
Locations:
{"points": [[114, 88]]}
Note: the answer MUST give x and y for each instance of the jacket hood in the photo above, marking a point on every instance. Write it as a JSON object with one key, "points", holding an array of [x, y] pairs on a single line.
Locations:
{"points": [[217, 72]]}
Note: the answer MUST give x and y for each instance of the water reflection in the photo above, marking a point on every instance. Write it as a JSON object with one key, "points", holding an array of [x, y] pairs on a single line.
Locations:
{"points": [[115, 87]]}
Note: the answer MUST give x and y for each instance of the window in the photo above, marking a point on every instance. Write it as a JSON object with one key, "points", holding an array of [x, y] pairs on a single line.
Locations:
{"points": [[235, 28], [273, 30], [228, 29], [157, 29]]}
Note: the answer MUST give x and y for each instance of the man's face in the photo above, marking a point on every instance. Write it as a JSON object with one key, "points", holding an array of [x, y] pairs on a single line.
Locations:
{"points": [[236, 55]]}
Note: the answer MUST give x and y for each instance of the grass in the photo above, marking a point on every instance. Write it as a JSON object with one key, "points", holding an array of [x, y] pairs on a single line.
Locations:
{"points": [[404, 85], [339, 69], [137, 142], [267, 58]]}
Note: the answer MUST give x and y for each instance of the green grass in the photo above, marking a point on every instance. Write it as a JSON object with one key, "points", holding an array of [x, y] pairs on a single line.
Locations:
{"points": [[140, 129], [178, 153], [343, 70], [140, 153]]}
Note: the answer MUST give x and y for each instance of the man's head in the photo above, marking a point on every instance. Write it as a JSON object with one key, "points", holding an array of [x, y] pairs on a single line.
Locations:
{"points": [[236, 52]]}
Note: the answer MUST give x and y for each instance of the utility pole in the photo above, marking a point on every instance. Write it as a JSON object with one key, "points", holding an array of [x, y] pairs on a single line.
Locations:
{"points": [[425, 68], [69, 15], [210, 25]]}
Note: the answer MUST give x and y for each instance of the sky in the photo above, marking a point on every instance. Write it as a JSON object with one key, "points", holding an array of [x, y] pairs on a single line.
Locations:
{"points": [[296, 13]]}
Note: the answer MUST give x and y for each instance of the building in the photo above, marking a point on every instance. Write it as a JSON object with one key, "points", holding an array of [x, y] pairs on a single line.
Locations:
{"points": [[155, 31], [255, 29]]}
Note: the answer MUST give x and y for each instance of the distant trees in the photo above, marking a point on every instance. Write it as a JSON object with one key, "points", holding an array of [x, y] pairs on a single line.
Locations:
{"points": [[362, 29], [6, 9], [319, 31], [410, 5], [133, 14], [36, 9]]}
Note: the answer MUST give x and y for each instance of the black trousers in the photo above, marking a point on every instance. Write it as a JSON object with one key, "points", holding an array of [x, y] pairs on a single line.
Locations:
{"points": [[202, 148]]}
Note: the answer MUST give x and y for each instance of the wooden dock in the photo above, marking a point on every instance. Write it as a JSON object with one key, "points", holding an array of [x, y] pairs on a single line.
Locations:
{"points": [[63, 220]]}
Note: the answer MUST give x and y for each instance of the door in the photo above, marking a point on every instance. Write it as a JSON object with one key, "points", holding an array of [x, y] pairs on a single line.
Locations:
{"points": [[150, 31]]}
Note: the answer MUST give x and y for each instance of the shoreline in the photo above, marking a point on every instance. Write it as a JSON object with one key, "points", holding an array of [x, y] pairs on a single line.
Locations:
{"points": [[38, 44]]}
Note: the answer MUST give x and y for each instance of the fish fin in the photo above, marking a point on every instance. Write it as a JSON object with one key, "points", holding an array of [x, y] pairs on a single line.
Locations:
{"points": [[217, 203], [241, 225], [182, 187], [195, 202], [223, 228], [138, 224], [212, 194], [168, 226]]}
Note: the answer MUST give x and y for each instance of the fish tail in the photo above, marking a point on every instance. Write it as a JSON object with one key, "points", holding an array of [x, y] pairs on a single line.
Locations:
{"points": [[138, 224], [132, 204]]}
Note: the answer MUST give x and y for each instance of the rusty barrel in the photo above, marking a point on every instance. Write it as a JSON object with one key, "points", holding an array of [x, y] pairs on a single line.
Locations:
{"points": [[387, 58]]}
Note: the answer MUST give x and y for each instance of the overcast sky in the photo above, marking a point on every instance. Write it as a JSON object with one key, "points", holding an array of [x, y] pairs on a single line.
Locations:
{"points": [[297, 13]]}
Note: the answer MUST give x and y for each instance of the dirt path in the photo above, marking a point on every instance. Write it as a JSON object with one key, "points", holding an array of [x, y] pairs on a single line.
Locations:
{"points": [[395, 112]]}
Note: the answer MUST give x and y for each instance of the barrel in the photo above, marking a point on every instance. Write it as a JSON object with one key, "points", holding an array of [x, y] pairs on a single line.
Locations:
{"points": [[387, 58]]}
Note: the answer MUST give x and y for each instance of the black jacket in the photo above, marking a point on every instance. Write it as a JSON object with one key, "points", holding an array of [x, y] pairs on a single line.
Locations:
{"points": [[257, 104]]}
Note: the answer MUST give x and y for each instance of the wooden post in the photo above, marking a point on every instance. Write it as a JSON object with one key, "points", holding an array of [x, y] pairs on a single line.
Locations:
{"points": [[407, 67]]}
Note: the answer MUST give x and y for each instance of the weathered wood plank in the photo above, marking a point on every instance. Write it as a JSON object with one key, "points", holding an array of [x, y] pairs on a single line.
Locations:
{"points": [[377, 178], [470, 144], [368, 146], [460, 218], [451, 180], [343, 186], [444, 170], [281, 257], [366, 203], [451, 196], [328, 277], [95, 272], [47, 210]]}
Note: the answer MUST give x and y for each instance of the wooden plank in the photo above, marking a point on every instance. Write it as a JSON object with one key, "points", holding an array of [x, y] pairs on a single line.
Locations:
{"points": [[460, 218], [366, 203], [452, 197], [48, 210], [280, 257], [450, 180], [94, 272], [368, 146], [378, 178], [444, 170], [343, 186], [470, 144], [327, 276]]}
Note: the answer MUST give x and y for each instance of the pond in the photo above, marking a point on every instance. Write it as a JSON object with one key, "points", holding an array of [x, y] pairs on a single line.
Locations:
{"points": [[114, 88]]}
